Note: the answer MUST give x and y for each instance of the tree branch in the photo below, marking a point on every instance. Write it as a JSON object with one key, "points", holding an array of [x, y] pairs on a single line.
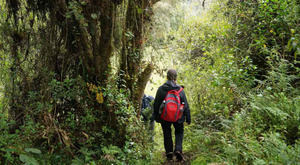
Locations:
{"points": [[142, 81]]}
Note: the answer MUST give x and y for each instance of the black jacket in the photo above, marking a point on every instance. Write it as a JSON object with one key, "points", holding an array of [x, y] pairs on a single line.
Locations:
{"points": [[160, 96]]}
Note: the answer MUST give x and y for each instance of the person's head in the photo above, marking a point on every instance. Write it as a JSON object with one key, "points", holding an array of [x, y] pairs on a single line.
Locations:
{"points": [[172, 75]]}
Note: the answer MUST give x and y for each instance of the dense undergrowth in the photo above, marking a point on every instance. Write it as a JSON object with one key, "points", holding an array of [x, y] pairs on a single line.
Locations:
{"points": [[54, 109], [73, 138], [241, 70]]}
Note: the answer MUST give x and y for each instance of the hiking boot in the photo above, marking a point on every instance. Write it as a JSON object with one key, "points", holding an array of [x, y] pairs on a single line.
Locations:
{"points": [[179, 156], [169, 156]]}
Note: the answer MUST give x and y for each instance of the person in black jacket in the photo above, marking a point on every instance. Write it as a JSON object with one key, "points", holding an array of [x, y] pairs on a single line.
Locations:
{"points": [[166, 126], [146, 112]]}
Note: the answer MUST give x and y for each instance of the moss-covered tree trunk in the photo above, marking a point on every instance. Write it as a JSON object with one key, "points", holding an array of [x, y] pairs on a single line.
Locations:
{"points": [[73, 39], [132, 69]]}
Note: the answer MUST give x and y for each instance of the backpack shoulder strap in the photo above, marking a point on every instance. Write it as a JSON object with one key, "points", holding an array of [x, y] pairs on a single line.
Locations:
{"points": [[180, 90]]}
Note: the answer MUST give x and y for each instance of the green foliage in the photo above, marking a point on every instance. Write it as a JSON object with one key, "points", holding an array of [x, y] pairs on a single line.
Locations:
{"points": [[267, 130], [238, 61], [264, 30], [240, 72], [28, 158], [209, 62], [62, 132], [49, 114], [13, 150], [4, 62], [276, 107]]}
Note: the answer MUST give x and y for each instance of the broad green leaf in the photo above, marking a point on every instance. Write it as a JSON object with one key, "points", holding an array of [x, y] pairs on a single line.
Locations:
{"points": [[33, 150], [28, 160]]}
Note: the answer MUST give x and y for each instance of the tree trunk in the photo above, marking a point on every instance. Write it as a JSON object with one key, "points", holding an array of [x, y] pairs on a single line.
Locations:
{"points": [[131, 66]]}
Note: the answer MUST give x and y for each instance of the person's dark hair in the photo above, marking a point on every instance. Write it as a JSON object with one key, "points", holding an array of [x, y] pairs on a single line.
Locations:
{"points": [[172, 75]]}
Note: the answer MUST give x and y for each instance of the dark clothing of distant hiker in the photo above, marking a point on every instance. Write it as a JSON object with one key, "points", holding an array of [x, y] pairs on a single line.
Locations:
{"points": [[147, 111], [146, 103], [166, 126]]}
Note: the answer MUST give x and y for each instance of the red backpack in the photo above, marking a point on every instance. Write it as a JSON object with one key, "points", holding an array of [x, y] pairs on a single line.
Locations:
{"points": [[171, 108]]}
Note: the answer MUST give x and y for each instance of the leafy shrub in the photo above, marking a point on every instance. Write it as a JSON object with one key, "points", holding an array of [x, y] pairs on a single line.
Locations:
{"points": [[65, 129], [241, 79]]}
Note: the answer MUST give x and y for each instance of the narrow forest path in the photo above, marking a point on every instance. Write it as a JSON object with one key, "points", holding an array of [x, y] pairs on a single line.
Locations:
{"points": [[187, 160], [159, 157]]}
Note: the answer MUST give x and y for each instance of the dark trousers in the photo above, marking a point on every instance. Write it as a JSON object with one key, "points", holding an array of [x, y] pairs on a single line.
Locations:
{"points": [[167, 131]]}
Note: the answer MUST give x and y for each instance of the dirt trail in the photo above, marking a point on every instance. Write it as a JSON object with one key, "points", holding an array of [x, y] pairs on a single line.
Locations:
{"points": [[187, 161]]}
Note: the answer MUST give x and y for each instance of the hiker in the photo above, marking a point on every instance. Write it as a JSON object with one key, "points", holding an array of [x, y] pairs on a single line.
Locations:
{"points": [[162, 104], [147, 110], [146, 106]]}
